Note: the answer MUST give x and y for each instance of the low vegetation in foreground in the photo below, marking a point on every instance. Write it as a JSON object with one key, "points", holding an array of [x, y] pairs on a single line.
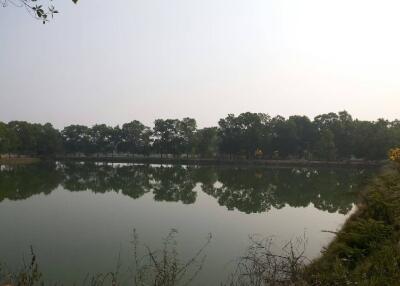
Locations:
{"points": [[149, 267]]}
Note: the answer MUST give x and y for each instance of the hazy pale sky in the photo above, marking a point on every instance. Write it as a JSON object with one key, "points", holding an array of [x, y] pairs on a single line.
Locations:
{"points": [[115, 61]]}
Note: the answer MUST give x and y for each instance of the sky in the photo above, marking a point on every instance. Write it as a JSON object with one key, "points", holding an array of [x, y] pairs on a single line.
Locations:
{"points": [[115, 61]]}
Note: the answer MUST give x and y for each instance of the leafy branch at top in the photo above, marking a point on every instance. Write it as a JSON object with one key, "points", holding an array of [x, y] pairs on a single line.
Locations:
{"points": [[39, 11]]}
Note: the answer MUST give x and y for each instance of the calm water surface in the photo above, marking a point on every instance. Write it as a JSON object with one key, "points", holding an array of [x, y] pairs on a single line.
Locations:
{"points": [[79, 217]]}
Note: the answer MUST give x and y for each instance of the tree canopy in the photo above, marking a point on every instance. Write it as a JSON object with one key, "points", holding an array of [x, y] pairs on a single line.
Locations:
{"points": [[331, 136]]}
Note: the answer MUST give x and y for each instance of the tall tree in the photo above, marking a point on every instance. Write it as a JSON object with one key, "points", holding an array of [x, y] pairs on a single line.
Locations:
{"points": [[4, 139], [76, 139], [325, 147], [254, 132], [135, 138], [166, 136], [50, 141], [206, 142], [26, 134], [284, 136], [306, 135], [187, 128], [229, 134], [102, 139]]}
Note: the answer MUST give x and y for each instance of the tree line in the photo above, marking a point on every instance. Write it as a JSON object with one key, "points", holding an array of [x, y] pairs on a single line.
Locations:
{"points": [[331, 136]]}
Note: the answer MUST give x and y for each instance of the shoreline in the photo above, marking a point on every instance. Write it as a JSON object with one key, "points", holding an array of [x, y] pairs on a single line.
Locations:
{"points": [[220, 161], [18, 160]]}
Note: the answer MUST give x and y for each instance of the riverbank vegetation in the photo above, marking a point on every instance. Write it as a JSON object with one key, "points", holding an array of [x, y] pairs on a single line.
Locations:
{"points": [[246, 136], [367, 250]]}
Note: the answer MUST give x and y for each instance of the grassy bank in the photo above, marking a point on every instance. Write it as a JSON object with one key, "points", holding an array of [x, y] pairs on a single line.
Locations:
{"points": [[18, 161], [367, 250]]}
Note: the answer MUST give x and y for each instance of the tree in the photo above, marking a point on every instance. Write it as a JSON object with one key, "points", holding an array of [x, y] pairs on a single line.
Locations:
{"points": [[206, 142], [50, 141], [76, 139], [244, 134], [4, 138], [342, 127], [25, 137], [135, 138], [229, 135], [326, 120], [344, 135], [373, 139], [330, 136], [325, 147], [254, 132], [284, 136], [306, 135], [167, 139], [102, 138], [186, 129]]}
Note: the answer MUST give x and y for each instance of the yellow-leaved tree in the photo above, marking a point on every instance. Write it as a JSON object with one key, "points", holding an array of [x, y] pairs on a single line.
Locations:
{"points": [[394, 156]]}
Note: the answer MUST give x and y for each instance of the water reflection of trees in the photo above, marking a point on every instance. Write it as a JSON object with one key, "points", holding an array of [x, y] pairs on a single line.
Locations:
{"points": [[174, 184], [20, 183], [257, 190], [248, 190], [131, 181]]}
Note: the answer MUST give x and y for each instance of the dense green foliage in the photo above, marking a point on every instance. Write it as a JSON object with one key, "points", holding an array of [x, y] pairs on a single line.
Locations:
{"points": [[366, 251], [23, 138], [249, 135]]}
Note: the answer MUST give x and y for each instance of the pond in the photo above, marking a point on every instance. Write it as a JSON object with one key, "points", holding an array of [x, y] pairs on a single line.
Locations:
{"points": [[79, 217]]}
